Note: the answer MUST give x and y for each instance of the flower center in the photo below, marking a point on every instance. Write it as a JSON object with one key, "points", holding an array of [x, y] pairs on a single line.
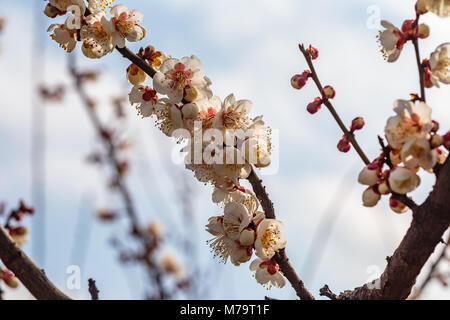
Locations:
{"points": [[180, 77]]}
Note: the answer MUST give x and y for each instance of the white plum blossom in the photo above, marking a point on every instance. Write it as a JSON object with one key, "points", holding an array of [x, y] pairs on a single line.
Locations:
{"points": [[417, 152], [233, 114], [412, 119], [99, 5], [267, 273], [63, 5], [145, 99], [439, 7], [96, 42], [370, 197], [224, 247], [181, 78], [392, 41], [402, 180], [440, 65], [124, 24], [269, 239], [67, 39], [235, 219], [369, 175]]}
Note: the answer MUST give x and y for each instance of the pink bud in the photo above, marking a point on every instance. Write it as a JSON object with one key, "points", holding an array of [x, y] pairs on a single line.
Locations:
{"points": [[328, 92], [313, 52], [344, 145], [298, 81], [408, 27], [314, 106], [357, 124], [447, 140]]}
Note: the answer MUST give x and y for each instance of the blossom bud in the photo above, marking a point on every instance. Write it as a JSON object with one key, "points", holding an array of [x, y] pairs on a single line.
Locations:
{"points": [[369, 176], [155, 229], [408, 27], [383, 188], [344, 145], [190, 111], [424, 31], [402, 180], [421, 7], [190, 94], [247, 237], [136, 75], [9, 278], [313, 52], [370, 197], [357, 124], [446, 138], [436, 141], [314, 106], [397, 206], [298, 81], [328, 92], [51, 12]]}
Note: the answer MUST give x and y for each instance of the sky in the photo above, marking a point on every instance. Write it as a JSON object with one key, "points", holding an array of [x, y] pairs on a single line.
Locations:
{"points": [[248, 48]]}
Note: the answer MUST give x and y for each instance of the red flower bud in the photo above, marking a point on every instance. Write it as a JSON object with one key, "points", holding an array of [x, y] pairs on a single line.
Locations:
{"points": [[313, 52], [409, 27], [344, 145], [357, 124], [314, 106], [447, 140], [328, 92]]}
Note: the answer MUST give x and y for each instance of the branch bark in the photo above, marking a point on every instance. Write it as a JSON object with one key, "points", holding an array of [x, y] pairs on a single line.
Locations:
{"points": [[430, 221], [26, 271], [281, 257]]}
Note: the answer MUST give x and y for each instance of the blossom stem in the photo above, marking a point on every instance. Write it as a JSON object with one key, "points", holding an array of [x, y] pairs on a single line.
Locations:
{"points": [[400, 197], [350, 136], [281, 257], [419, 63]]}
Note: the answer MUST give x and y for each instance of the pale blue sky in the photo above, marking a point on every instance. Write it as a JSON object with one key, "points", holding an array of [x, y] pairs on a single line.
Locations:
{"points": [[249, 48]]}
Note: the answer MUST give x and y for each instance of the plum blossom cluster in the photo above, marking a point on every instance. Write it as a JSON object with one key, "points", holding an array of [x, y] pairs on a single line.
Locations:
{"points": [[412, 134], [215, 131], [223, 142], [414, 144], [90, 26]]}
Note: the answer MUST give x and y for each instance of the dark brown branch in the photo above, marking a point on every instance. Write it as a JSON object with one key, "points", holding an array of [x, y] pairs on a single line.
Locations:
{"points": [[326, 292], [93, 290], [430, 221], [33, 278], [350, 136], [432, 272], [281, 257]]}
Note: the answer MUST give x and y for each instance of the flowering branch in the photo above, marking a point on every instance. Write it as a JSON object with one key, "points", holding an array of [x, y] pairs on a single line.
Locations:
{"points": [[33, 278], [350, 136], [281, 257]]}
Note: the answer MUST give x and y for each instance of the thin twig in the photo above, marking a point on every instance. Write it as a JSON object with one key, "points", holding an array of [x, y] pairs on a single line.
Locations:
{"points": [[415, 41], [350, 136], [326, 292], [93, 290]]}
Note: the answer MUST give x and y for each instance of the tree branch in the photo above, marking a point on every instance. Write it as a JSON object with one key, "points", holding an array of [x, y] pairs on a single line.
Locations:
{"points": [[93, 290], [415, 41], [350, 136], [430, 221], [281, 257], [26, 271]]}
